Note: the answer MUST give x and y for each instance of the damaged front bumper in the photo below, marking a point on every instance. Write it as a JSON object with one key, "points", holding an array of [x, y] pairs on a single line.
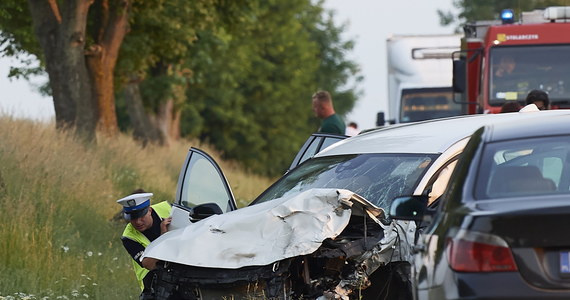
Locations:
{"points": [[365, 255]]}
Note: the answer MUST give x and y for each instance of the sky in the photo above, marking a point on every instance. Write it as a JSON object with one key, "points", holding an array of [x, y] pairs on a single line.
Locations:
{"points": [[369, 23], [20, 98]]}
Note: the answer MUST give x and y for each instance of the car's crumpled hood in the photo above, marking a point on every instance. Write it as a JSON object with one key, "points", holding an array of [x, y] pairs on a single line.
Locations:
{"points": [[261, 234]]}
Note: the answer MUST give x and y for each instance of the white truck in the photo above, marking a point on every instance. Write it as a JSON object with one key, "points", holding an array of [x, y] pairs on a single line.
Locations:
{"points": [[420, 73]]}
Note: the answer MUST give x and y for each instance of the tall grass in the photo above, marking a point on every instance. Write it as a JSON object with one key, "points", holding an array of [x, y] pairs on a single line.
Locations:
{"points": [[59, 238]]}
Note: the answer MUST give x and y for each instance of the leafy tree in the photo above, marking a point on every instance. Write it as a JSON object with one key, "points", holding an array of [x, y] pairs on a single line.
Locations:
{"points": [[78, 43], [258, 110], [154, 67], [238, 74]]}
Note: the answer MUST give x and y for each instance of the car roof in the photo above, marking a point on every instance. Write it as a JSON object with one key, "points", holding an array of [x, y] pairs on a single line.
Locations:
{"points": [[537, 127], [433, 136]]}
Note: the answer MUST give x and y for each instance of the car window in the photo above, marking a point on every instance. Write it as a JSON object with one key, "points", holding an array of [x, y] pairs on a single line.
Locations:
{"points": [[440, 184], [314, 144], [202, 182], [311, 150], [524, 167], [377, 177]]}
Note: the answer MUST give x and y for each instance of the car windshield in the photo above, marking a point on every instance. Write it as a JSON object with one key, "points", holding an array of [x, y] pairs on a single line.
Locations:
{"points": [[379, 178], [515, 71], [525, 167]]}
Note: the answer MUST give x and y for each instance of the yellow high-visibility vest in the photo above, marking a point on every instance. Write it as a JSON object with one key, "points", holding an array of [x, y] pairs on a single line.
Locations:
{"points": [[163, 211]]}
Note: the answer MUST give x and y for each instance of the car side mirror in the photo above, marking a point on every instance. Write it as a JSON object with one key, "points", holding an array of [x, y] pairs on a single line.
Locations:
{"points": [[380, 119], [205, 210], [409, 208]]}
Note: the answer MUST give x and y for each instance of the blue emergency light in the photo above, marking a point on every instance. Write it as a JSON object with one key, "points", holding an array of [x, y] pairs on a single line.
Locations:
{"points": [[507, 16]]}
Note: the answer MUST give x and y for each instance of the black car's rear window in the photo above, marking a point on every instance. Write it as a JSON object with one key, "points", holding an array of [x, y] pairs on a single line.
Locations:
{"points": [[525, 167]]}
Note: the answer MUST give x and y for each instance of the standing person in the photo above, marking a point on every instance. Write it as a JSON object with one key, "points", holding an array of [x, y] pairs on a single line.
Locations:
{"points": [[352, 129], [324, 110], [146, 223], [538, 98]]}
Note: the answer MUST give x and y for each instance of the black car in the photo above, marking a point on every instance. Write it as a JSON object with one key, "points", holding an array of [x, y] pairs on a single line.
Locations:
{"points": [[499, 230]]}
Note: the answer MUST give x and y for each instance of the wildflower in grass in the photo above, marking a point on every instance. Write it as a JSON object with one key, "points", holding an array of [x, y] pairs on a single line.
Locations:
{"points": [[74, 293], [23, 296], [64, 248], [89, 253]]}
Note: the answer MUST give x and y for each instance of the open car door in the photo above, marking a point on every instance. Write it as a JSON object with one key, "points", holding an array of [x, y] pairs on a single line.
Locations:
{"points": [[202, 190], [315, 143]]}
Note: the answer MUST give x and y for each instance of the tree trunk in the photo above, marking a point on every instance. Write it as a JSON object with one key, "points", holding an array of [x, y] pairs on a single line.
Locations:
{"points": [[143, 129], [81, 81], [61, 34], [102, 59], [168, 121], [175, 125]]}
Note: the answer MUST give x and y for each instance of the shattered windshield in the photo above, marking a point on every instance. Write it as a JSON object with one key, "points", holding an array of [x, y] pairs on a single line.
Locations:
{"points": [[515, 71], [377, 177]]}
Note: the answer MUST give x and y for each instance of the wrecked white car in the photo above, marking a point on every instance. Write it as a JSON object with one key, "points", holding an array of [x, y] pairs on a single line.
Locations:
{"points": [[319, 232]]}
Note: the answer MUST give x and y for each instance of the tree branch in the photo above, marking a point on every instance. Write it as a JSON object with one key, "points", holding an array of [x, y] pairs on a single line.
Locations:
{"points": [[104, 19], [116, 29], [55, 10]]}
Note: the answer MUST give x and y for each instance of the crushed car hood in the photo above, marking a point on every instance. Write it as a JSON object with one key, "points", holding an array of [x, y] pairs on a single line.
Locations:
{"points": [[263, 233]]}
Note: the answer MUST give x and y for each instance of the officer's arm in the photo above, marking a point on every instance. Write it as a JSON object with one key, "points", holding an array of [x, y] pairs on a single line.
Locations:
{"points": [[149, 263], [134, 249]]}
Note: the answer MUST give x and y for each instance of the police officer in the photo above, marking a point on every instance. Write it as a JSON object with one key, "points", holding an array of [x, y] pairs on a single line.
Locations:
{"points": [[146, 223]]}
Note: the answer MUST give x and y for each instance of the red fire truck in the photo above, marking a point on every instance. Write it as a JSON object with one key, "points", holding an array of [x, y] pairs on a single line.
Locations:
{"points": [[503, 60]]}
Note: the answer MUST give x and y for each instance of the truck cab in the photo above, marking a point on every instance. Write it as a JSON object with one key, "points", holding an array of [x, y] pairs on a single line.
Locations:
{"points": [[503, 60]]}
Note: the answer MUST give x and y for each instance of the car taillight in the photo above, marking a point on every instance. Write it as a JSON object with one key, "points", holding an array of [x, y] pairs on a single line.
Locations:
{"points": [[479, 252]]}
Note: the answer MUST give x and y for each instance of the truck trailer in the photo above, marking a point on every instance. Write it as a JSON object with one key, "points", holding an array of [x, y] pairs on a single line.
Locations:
{"points": [[503, 60], [420, 77]]}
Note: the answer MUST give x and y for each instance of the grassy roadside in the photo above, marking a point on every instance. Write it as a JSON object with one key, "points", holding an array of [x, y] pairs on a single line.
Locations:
{"points": [[58, 239]]}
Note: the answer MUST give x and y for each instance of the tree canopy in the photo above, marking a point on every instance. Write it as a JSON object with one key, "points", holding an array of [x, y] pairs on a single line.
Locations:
{"points": [[236, 74]]}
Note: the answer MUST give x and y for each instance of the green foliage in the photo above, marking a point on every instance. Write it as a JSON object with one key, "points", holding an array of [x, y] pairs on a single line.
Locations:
{"points": [[253, 79], [16, 33], [241, 72], [17, 39]]}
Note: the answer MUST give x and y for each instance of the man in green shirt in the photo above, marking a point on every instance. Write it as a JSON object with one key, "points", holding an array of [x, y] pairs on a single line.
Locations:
{"points": [[324, 110]]}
